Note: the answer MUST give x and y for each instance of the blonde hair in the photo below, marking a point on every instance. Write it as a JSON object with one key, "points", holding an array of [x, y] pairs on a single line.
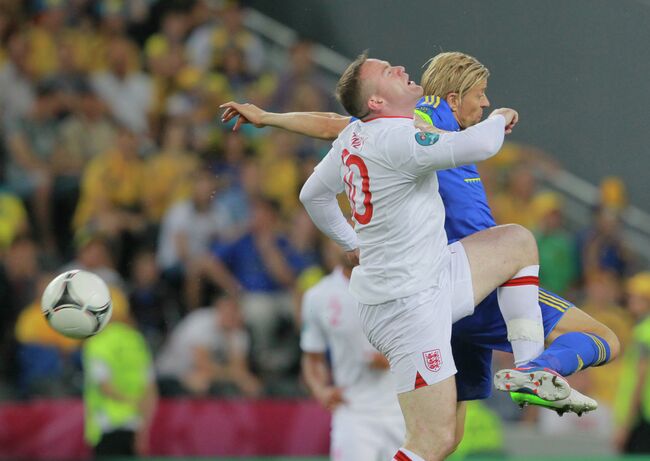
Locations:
{"points": [[452, 72]]}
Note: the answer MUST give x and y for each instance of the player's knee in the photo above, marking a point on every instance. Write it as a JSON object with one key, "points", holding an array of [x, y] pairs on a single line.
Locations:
{"points": [[613, 342], [435, 446], [524, 241]]}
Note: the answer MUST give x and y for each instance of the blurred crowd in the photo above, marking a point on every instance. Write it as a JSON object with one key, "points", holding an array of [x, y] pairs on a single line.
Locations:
{"points": [[114, 160]]}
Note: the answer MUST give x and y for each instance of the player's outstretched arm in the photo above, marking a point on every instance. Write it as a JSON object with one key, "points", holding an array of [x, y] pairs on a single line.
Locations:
{"points": [[321, 125]]}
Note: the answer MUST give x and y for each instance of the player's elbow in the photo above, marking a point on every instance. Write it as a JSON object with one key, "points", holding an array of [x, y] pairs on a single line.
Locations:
{"points": [[305, 196]]}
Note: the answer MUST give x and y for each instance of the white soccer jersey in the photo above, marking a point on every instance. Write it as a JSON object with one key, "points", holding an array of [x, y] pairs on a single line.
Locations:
{"points": [[331, 322], [388, 168]]}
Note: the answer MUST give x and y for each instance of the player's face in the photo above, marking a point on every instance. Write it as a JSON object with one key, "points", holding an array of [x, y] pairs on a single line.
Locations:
{"points": [[470, 109], [390, 84]]}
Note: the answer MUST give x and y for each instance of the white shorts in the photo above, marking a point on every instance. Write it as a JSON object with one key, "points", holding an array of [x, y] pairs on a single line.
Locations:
{"points": [[414, 332], [368, 437]]}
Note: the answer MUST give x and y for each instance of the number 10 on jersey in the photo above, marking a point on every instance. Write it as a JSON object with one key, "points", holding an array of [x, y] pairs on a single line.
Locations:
{"points": [[357, 171]]}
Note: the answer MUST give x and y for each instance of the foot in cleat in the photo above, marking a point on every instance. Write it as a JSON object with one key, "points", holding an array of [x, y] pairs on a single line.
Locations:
{"points": [[542, 382], [576, 402]]}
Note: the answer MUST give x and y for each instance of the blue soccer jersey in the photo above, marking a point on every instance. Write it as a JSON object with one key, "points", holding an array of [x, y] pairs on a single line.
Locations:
{"points": [[467, 211], [466, 205]]}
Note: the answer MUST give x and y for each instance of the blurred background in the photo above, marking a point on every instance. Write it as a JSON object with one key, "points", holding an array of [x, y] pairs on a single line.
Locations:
{"points": [[114, 160]]}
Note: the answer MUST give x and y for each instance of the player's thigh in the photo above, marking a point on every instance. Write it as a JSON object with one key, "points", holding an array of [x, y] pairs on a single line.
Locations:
{"points": [[414, 333], [496, 254], [577, 320], [430, 418]]}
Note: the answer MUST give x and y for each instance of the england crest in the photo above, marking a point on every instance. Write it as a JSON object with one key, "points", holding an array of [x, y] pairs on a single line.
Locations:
{"points": [[432, 360]]}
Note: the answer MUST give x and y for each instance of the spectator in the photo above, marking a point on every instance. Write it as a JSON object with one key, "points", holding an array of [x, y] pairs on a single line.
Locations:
{"points": [[127, 91], [301, 71], [17, 80], [558, 268], [45, 35], [33, 142], [261, 262], [19, 273], [168, 174], [278, 160], [514, 205], [187, 231], [21, 269], [208, 42], [111, 196], [602, 302], [153, 306], [165, 56], [44, 355], [633, 400], [120, 392], [13, 219], [94, 253], [86, 133], [207, 353], [602, 246]]}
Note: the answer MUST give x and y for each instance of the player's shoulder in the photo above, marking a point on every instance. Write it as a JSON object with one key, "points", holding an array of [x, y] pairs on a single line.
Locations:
{"points": [[430, 102]]}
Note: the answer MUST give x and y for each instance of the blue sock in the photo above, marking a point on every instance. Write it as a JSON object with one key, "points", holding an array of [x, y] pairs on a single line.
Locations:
{"points": [[572, 352]]}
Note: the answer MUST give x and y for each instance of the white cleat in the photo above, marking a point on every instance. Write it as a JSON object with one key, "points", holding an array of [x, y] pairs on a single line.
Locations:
{"points": [[542, 382], [576, 402]]}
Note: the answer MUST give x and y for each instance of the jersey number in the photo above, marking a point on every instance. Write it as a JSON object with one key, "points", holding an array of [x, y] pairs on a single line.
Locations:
{"points": [[351, 159]]}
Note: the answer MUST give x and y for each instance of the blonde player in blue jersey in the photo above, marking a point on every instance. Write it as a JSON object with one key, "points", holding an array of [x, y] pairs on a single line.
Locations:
{"points": [[456, 84]]}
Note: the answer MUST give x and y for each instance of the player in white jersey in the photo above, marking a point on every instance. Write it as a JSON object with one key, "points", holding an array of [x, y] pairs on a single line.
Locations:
{"points": [[367, 422], [408, 279]]}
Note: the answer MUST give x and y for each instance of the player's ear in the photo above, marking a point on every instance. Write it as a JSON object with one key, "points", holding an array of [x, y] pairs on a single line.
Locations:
{"points": [[375, 103], [453, 100]]}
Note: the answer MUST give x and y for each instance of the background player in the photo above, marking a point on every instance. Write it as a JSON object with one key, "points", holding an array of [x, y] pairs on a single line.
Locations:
{"points": [[367, 423], [468, 211]]}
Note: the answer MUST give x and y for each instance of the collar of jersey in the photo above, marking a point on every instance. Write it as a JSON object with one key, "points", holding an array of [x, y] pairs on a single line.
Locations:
{"points": [[387, 116]]}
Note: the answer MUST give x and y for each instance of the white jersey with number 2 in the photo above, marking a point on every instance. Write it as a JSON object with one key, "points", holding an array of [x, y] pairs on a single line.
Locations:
{"points": [[387, 168]]}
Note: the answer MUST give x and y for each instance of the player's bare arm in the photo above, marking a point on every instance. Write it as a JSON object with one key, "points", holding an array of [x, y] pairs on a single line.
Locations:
{"points": [[321, 125], [317, 377]]}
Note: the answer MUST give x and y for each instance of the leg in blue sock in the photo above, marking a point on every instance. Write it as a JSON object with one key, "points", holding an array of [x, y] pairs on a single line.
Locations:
{"points": [[572, 352]]}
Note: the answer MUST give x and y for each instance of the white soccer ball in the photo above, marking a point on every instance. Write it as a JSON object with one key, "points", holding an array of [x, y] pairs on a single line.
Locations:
{"points": [[77, 304]]}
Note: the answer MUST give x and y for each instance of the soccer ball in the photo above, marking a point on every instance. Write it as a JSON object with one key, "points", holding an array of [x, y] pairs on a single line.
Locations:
{"points": [[77, 304]]}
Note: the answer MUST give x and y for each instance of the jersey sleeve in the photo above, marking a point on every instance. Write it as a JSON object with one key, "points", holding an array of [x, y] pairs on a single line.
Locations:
{"points": [[435, 111], [418, 152], [312, 335], [328, 171], [318, 195]]}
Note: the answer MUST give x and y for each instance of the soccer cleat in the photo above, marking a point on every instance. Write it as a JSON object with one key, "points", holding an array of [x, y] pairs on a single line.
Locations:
{"points": [[576, 402], [542, 382]]}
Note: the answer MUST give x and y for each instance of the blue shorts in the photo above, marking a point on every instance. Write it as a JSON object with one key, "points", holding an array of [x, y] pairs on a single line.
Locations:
{"points": [[474, 337]]}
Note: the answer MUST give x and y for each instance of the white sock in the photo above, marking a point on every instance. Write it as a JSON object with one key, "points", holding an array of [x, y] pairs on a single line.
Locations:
{"points": [[406, 455], [519, 305]]}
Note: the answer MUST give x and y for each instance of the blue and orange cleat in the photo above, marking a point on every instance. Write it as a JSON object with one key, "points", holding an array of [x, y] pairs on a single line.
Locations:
{"points": [[542, 382]]}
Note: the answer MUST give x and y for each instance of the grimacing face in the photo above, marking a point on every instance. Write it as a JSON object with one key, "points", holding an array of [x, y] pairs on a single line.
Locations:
{"points": [[470, 109], [390, 83]]}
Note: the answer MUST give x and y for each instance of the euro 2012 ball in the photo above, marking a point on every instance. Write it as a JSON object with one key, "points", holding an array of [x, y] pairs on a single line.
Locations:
{"points": [[77, 304]]}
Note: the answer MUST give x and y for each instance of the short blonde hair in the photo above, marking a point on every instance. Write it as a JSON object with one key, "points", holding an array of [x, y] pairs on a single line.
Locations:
{"points": [[452, 72], [349, 89]]}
